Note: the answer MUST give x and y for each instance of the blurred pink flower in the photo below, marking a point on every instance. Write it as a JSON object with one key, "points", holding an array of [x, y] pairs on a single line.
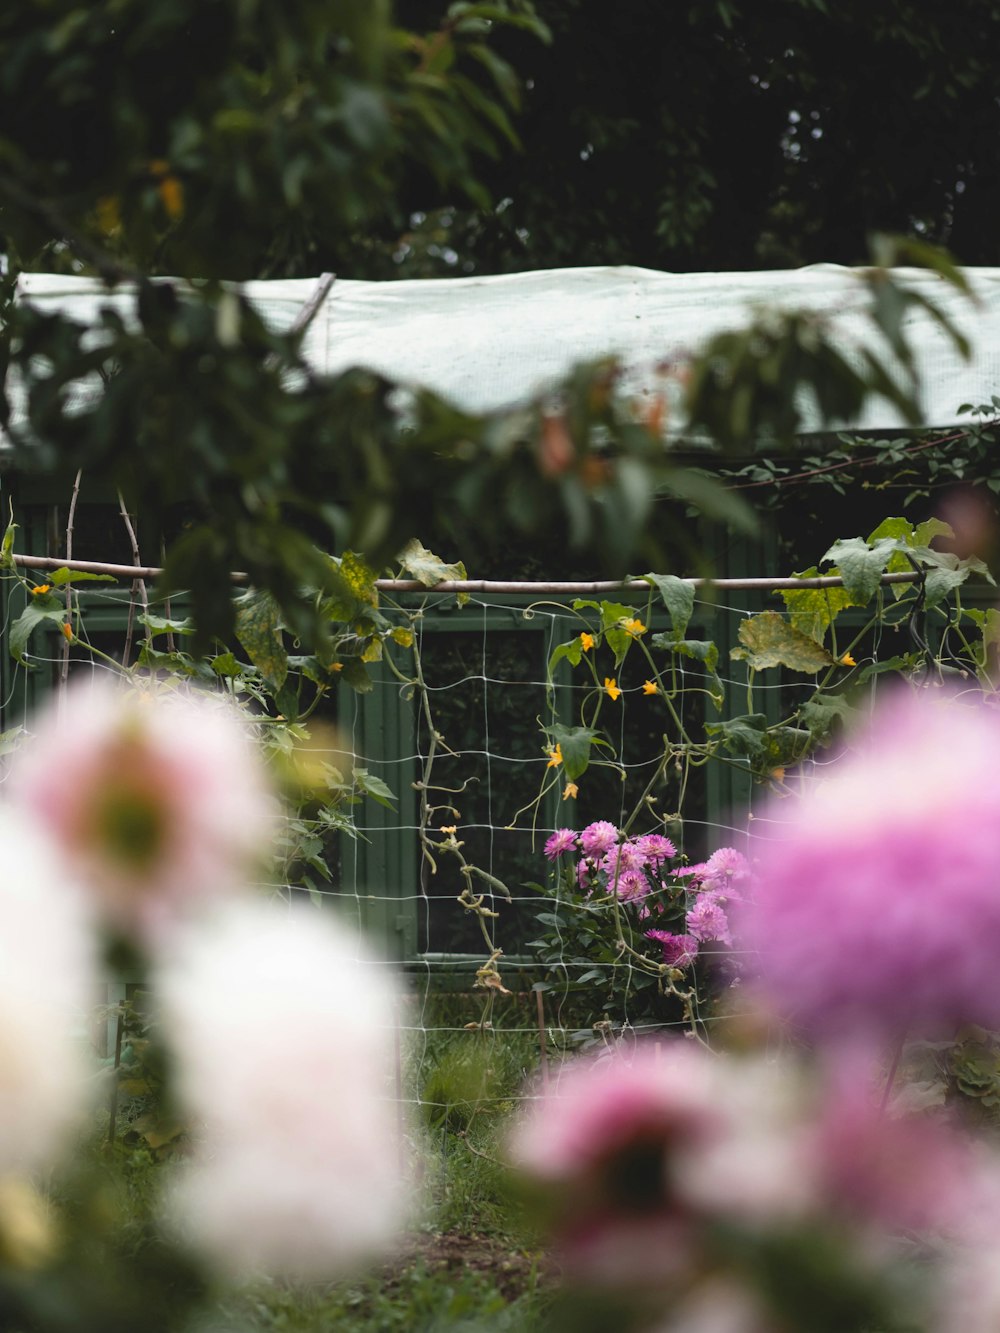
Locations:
{"points": [[889, 1173], [600, 1144], [48, 984], [282, 1034], [156, 801], [878, 893]]}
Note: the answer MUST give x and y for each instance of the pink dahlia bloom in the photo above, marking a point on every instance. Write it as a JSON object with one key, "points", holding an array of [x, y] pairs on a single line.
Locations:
{"points": [[155, 801], [727, 871], [707, 921], [627, 856], [562, 841], [282, 1033], [656, 848], [598, 838], [678, 950], [631, 886], [693, 874], [877, 904]]}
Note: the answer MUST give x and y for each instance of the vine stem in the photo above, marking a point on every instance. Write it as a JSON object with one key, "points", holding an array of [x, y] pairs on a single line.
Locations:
{"points": [[138, 584], [890, 1077], [70, 521]]}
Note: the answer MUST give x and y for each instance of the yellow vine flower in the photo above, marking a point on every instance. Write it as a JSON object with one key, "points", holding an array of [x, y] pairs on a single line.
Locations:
{"points": [[571, 790], [555, 756], [650, 687], [449, 828], [168, 187], [635, 627], [847, 660], [611, 688], [67, 630], [586, 641], [41, 589]]}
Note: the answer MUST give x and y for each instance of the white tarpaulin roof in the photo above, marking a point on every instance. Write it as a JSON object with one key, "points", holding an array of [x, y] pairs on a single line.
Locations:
{"points": [[491, 342]]}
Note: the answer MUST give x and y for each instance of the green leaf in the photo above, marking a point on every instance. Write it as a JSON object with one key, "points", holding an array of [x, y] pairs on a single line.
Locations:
{"points": [[769, 640], [678, 598], [374, 787], [226, 665], [160, 625], [7, 546], [813, 610], [258, 630], [924, 533], [359, 577], [745, 735], [59, 577], [355, 675], [570, 652], [34, 614], [10, 740], [180, 664], [823, 712], [862, 566], [702, 650], [575, 745], [427, 568]]}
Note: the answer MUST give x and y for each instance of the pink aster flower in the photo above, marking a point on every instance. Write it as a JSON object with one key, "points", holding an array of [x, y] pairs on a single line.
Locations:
{"points": [[562, 841], [155, 801], [707, 921], [678, 950], [877, 903], [598, 838], [656, 848]]}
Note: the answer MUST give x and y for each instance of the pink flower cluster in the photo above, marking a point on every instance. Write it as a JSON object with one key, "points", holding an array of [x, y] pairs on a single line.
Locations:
{"points": [[636, 870], [877, 906], [647, 1163]]}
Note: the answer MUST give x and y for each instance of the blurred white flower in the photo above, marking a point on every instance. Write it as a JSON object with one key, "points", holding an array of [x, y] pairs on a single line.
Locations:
{"points": [[47, 986], [157, 801], [282, 1036]]}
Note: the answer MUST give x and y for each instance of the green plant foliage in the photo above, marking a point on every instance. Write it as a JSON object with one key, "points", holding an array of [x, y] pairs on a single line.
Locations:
{"points": [[769, 640], [678, 597], [813, 610]]}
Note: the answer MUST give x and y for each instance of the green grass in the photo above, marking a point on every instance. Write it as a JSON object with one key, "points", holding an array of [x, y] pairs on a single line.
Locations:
{"points": [[469, 1262]]}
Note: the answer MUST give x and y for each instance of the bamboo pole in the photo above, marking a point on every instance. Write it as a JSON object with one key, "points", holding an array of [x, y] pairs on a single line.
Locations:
{"points": [[532, 588]]}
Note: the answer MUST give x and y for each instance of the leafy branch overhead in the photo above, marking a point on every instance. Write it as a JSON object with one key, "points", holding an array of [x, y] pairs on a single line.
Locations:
{"points": [[290, 120]]}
